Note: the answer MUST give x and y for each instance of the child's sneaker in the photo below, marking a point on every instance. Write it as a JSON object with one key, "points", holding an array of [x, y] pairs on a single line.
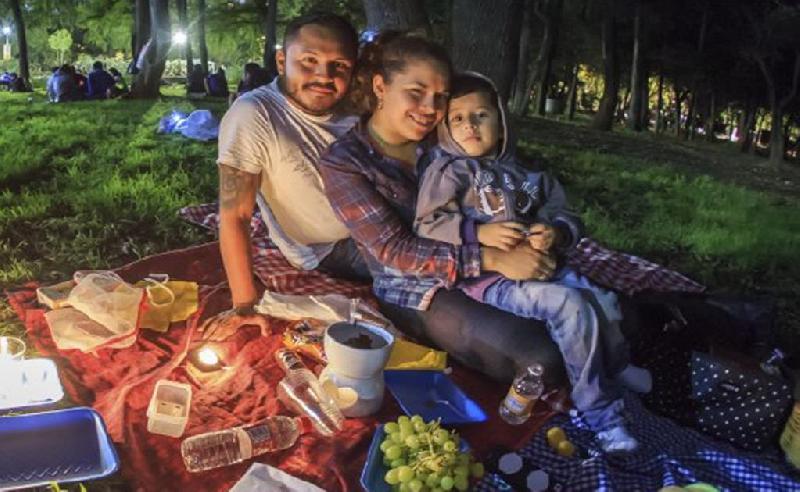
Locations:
{"points": [[635, 379], [617, 440]]}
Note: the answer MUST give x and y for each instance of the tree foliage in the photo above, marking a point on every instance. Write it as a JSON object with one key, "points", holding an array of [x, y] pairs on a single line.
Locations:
{"points": [[60, 41]]}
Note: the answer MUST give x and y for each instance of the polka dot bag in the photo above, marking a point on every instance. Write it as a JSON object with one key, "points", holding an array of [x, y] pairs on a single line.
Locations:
{"points": [[743, 406]]}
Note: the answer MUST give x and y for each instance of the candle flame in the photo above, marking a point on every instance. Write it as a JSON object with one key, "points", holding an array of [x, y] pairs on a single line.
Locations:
{"points": [[207, 356]]}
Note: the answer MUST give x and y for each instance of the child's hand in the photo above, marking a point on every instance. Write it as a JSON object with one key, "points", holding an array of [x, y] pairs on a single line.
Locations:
{"points": [[542, 237], [501, 235]]}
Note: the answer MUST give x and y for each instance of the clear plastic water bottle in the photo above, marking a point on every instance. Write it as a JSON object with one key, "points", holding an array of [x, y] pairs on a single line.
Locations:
{"points": [[527, 387], [302, 392], [227, 447]]}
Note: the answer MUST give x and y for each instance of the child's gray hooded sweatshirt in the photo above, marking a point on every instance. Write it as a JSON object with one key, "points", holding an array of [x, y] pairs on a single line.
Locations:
{"points": [[458, 192]]}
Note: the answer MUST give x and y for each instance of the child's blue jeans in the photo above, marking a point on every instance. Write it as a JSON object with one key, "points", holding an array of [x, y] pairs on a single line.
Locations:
{"points": [[583, 320]]}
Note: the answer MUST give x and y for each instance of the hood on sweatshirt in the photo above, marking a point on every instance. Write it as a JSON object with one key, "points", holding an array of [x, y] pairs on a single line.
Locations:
{"points": [[506, 144]]}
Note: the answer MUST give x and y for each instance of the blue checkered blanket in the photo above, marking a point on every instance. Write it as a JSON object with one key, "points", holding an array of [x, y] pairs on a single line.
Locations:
{"points": [[669, 455]]}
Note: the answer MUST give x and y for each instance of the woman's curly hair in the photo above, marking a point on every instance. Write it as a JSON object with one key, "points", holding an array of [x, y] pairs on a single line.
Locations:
{"points": [[387, 55]]}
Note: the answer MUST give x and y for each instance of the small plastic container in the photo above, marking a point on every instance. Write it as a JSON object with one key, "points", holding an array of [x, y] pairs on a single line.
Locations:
{"points": [[30, 382], [168, 410]]}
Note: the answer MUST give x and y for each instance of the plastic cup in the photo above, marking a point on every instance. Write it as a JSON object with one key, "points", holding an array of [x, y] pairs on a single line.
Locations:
{"points": [[11, 348]]}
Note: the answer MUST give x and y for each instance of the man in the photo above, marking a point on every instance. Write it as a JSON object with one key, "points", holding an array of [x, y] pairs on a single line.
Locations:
{"points": [[61, 85], [269, 144], [99, 83]]}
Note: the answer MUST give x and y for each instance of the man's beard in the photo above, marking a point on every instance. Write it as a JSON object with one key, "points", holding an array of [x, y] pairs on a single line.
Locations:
{"points": [[319, 109]]}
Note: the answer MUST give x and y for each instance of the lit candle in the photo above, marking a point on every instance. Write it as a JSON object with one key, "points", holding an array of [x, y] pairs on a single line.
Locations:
{"points": [[207, 357]]}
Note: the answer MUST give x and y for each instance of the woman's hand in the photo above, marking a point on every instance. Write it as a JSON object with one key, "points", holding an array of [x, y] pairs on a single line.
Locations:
{"points": [[542, 237], [501, 235], [223, 325], [521, 263]]}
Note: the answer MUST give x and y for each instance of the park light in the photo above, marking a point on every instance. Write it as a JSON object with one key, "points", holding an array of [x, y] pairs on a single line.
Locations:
{"points": [[179, 37], [278, 46], [6, 30]]}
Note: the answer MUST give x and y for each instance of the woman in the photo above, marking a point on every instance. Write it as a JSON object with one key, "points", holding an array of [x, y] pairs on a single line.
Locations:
{"points": [[371, 180]]}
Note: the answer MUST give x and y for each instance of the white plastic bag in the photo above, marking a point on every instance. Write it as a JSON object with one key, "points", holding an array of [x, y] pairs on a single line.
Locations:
{"points": [[111, 302]]}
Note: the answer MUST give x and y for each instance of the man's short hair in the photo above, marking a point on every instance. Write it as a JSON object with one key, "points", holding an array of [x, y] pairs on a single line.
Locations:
{"points": [[98, 65], [333, 22]]}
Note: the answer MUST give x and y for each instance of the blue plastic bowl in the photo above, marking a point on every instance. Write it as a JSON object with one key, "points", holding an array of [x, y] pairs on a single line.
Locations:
{"points": [[374, 470], [432, 395], [61, 446]]}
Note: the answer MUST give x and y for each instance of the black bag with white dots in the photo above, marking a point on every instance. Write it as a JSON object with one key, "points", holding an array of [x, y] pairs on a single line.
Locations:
{"points": [[743, 406]]}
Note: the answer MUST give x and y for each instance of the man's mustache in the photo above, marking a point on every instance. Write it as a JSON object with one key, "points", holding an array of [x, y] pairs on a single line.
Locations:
{"points": [[329, 87]]}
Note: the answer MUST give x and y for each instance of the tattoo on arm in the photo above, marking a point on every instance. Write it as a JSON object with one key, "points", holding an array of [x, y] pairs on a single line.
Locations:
{"points": [[232, 184]]}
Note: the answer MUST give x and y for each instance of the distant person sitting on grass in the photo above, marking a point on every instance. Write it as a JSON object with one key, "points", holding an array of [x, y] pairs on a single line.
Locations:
{"points": [[217, 84], [476, 191], [196, 83], [81, 82], [253, 77], [61, 85], [100, 83], [120, 87]]}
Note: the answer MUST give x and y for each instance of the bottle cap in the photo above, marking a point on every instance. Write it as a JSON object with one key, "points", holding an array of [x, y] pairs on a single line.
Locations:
{"points": [[536, 369], [304, 424]]}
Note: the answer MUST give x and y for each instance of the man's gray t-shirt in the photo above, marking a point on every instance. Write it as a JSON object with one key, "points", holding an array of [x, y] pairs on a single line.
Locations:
{"points": [[265, 133]]}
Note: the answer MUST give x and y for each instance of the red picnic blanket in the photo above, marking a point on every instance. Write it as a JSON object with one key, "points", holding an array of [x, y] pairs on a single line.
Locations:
{"points": [[119, 383]]}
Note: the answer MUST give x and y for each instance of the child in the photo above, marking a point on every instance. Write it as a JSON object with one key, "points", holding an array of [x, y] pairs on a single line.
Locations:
{"points": [[475, 190]]}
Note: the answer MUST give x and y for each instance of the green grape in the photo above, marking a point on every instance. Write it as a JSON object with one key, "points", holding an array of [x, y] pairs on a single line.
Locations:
{"points": [[403, 418], [415, 485], [447, 482], [398, 463], [406, 433], [391, 428], [397, 437], [462, 459], [461, 483], [433, 480], [407, 427], [421, 475], [403, 488], [387, 462], [449, 446], [420, 427], [477, 470], [437, 489], [386, 444], [441, 436], [461, 471], [391, 477], [405, 474], [412, 442], [394, 452]]}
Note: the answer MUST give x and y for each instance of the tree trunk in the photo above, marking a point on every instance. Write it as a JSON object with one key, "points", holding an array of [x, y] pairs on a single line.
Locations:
{"points": [[271, 38], [776, 143], [572, 95], [22, 41], [404, 15], [637, 72], [201, 34], [142, 23], [711, 117], [660, 104], [521, 92], [183, 25], [148, 80], [604, 119], [645, 95], [701, 41], [489, 50], [678, 101], [552, 21]]}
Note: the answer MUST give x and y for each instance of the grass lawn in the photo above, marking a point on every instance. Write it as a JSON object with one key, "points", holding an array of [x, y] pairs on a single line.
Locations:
{"points": [[91, 185]]}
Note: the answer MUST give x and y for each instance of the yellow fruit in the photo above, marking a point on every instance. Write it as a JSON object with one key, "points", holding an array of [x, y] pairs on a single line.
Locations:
{"points": [[555, 435], [565, 448]]}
